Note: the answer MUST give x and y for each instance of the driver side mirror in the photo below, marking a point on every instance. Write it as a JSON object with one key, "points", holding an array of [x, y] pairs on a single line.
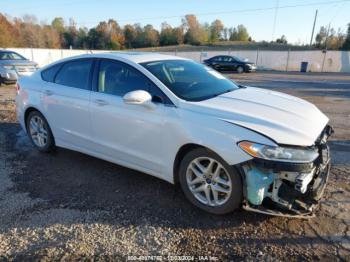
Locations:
{"points": [[139, 97]]}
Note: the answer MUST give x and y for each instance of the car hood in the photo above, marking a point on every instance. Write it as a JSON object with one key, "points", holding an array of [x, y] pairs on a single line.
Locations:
{"points": [[283, 118]]}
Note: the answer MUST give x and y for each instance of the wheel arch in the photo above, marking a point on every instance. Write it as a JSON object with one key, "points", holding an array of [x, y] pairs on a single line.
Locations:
{"points": [[183, 150], [186, 148], [50, 145], [28, 111]]}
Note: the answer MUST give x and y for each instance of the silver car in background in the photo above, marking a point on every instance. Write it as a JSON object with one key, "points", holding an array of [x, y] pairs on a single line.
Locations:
{"points": [[13, 65]]}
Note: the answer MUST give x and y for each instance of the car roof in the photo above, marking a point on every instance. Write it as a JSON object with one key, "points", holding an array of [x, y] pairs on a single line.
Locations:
{"points": [[224, 55], [136, 57], [7, 51]]}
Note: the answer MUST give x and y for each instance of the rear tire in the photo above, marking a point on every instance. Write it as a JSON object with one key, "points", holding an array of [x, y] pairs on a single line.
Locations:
{"points": [[40, 132], [217, 190]]}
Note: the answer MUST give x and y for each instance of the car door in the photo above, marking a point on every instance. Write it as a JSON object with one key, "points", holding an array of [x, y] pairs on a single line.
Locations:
{"points": [[217, 63], [229, 63], [127, 134], [234, 63], [66, 101]]}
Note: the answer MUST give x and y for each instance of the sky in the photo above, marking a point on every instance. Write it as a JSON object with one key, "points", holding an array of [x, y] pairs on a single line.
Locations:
{"points": [[294, 18]]}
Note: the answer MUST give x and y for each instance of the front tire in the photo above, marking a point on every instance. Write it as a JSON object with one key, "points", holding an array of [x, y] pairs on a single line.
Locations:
{"points": [[210, 183], [240, 69], [39, 132]]}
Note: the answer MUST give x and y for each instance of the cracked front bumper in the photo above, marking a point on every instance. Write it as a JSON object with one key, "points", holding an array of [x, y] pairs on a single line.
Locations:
{"points": [[287, 189]]}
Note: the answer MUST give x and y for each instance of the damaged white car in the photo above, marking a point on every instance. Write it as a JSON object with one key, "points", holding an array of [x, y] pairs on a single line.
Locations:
{"points": [[227, 145]]}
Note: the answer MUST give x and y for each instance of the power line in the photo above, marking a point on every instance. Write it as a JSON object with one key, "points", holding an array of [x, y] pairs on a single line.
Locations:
{"points": [[198, 14], [340, 7], [230, 12], [338, 10], [67, 3]]}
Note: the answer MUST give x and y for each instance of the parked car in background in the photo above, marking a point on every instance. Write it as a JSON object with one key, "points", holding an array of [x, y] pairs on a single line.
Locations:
{"points": [[230, 63], [226, 145], [13, 65]]}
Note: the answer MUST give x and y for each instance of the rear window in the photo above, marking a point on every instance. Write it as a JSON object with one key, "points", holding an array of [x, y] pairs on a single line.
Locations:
{"points": [[75, 74], [217, 58], [49, 74], [10, 56]]}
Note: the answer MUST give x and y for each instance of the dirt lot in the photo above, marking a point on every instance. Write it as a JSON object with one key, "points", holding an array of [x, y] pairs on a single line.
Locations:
{"points": [[67, 205]]}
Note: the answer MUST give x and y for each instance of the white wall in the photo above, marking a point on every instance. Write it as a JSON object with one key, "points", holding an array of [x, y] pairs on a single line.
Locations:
{"points": [[331, 61]]}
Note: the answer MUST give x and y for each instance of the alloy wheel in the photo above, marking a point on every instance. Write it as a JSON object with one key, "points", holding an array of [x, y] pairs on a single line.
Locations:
{"points": [[38, 131], [208, 181]]}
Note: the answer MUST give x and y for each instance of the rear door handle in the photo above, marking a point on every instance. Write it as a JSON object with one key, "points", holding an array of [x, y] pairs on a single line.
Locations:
{"points": [[48, 92], [101, 102]]}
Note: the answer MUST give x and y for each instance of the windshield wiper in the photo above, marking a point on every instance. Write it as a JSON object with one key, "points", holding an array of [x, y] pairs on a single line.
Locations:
{"points": [[218, 94], [228, 91]]}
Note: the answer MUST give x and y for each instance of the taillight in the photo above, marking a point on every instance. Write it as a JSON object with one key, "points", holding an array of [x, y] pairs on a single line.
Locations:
{"points": [[18, 87]]}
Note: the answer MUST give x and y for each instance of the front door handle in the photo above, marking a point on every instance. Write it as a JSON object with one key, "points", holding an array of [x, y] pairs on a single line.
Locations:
{"points": [[48, 92], [101, 102]]}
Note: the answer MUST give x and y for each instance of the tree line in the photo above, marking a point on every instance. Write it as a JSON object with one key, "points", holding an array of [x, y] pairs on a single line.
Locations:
{"points": [[332, 39], [27, 32], [109, 35]]}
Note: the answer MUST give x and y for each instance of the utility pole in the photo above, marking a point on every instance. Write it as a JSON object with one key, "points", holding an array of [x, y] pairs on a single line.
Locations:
{"points": [[325, 50], [275, 20], [313, 28], [326, 42]]}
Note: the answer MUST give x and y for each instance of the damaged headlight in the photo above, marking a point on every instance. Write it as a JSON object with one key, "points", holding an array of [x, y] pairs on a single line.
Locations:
{"points": [[277, 153]]}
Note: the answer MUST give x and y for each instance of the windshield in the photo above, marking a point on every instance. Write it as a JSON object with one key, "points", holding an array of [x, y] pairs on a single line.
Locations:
{"points": [[10, 56], [189, 80], [239, 59]]}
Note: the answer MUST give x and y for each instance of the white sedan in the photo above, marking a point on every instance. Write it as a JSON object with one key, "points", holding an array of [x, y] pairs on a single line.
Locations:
{"points": [[228, 146]]}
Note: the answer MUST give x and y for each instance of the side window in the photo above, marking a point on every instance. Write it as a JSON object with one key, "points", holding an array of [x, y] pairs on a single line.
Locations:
{"points": [[159, 96], [218, 59], [227, 59], [75, 74], [16, 56], [118, 79], [49, 74], [5, 56]]}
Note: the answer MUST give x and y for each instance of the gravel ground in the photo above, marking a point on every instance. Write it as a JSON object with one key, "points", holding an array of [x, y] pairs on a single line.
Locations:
{"points": [[71, 206]]}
